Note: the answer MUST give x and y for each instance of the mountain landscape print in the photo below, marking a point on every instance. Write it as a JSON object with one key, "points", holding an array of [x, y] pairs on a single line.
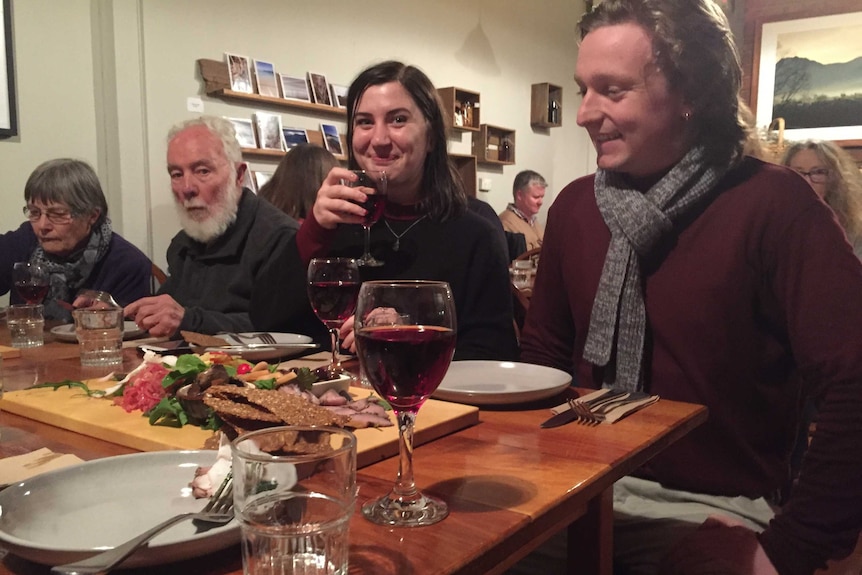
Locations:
{"points": [[818, 78]]}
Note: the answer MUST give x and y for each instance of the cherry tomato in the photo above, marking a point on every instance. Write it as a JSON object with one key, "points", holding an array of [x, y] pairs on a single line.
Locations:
{"points": [[243, 368]]}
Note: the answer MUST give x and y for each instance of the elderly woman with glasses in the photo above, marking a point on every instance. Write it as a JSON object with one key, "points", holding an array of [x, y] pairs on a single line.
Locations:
{"points": [[69, 234], [834, 176]]}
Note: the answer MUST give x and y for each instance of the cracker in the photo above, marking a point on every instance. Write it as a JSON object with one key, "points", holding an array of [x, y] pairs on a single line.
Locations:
{"points": [[203, 339]]}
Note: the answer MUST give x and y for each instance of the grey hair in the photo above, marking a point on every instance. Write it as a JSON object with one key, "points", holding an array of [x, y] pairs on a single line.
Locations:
{"points": [[527, 178], [70, 182], [221, 128]]}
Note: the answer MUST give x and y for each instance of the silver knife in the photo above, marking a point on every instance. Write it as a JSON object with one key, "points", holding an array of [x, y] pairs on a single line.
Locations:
{"points": [[253, 346], [570, 415]]}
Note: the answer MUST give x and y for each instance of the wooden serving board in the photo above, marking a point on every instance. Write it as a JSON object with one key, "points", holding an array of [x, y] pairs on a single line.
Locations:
{"points": [[98, 417]]}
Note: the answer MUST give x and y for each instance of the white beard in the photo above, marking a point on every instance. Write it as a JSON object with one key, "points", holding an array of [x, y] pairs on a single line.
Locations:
{"points": [[221, 215]]}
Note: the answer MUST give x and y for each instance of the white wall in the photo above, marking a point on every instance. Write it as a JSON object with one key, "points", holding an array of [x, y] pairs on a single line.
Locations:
{"points": [[104, 81]]}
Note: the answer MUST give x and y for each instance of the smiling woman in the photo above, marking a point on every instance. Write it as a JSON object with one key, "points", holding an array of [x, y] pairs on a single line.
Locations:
{"points": [[68, 232]]}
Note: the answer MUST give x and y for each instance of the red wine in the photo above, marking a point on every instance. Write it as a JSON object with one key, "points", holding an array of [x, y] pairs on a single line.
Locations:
{"points": [[374, 206], [405, 364], [31, 293], [333, 301]]}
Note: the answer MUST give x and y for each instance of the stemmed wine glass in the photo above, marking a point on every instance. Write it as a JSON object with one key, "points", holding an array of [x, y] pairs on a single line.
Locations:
{"points": [[333, 285], [405, 338], [31, 281], [371, 181]]}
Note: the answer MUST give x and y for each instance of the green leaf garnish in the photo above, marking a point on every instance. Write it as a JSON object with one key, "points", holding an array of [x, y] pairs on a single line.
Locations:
{"points": [[168, 412], [265, 383], [305, 378], [71, 384]]}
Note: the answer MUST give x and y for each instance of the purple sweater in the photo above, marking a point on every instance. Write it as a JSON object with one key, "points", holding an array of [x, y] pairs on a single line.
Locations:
{"points": [[756, 301], [124, 272]]}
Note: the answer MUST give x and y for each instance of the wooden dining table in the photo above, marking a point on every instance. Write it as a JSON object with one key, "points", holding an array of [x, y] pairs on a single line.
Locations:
{"points": [[510, 485]]}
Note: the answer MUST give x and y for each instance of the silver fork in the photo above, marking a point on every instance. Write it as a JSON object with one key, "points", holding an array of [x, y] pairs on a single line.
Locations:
{"points": [[598, 412], [218, 511], [266, 338]]}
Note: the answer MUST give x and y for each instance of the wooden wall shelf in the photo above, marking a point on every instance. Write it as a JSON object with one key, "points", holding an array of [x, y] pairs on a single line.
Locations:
{"points": [[543, 96], [466, 166], [490, 145], [314, 137], [217, 85], [455, 102]]}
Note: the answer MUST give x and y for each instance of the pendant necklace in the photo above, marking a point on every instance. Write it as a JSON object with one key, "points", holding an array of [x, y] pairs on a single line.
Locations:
{"points": [[399, 236]]}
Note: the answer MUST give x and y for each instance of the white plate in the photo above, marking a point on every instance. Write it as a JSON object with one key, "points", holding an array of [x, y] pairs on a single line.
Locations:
{"points": [[66, 332], [500, 382], [72, 513], [258, 353]]}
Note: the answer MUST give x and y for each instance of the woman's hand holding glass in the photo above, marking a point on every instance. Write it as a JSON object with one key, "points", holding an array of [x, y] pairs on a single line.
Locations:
{"points": [[338, 203]]}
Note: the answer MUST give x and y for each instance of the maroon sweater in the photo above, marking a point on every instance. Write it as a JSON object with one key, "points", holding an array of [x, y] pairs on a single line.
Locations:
{"points": [[753, 303]]}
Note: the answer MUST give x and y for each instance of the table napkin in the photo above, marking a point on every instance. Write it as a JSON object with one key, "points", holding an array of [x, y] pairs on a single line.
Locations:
{"points": [[20, 467], [615, 414]]}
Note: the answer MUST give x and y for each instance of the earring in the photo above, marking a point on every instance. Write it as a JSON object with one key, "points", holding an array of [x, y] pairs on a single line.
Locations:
{"points": [[686, 115]]}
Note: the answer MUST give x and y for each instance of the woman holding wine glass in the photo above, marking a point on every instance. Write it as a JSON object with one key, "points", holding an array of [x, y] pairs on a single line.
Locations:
{"points": [[68, 244], [395, 124]]}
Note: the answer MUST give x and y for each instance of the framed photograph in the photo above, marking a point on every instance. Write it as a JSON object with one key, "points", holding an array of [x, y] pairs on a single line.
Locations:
{"points": [[239, 70], [269, 134], [260, 178], [294, 137], [294, 88], [806, 74], [244, 132], [8, 111], [331, 139], [264, 75], [319, 88], [339, 95]]}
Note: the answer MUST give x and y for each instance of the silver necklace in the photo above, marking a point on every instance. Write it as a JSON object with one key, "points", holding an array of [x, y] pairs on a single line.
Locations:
{"points": [[399, 236]]}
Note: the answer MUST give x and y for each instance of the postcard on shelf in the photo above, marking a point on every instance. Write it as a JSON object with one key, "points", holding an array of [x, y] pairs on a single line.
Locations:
{"points": [[269, 128], [294, 137], [244, 132], [294, 88], [264, 73], [331, 139], [319, 88], [339, 95], [261, 178], [239, 70]]}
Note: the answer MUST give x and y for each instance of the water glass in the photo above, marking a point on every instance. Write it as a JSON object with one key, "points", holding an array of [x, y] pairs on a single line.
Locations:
{"points": [[26, 324], [100, 336], [294, 494]]}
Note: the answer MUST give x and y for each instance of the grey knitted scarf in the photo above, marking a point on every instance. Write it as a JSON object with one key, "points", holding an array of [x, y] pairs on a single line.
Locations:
{"points": [[637, 221]]}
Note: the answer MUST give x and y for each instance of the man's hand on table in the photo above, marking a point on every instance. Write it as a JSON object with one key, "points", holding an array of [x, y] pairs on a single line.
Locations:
{"points": [[720, 545], [160, 315]]}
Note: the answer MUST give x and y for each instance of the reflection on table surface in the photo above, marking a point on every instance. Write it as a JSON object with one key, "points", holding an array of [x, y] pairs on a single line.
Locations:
{"points": [[509, 484]]}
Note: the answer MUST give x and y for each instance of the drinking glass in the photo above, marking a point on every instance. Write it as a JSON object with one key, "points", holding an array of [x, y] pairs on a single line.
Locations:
{"points": [[405, 337], [31, 281], [333, 285], [373, 183]]}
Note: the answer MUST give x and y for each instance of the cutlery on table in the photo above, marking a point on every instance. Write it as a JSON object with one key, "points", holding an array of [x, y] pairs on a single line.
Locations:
{"points": [[218, 511], [571, 414], [261, 346], [262, 337], [598, 413]]}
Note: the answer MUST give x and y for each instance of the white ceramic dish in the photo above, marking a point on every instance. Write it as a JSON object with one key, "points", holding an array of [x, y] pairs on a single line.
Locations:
{"points": [[249, 346], [66, 332], [500, 382], [72, 513]]}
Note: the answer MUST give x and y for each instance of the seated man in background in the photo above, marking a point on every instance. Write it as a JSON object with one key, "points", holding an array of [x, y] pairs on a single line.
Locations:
{"points": [[229, 241], [520, 216]]}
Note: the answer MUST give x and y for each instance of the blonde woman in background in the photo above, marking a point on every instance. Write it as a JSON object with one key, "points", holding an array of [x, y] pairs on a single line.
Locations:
{"points": [[834, 176]]}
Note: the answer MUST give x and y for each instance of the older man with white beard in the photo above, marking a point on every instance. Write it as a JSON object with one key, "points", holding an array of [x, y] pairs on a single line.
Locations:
{"points": [[231, 239]]}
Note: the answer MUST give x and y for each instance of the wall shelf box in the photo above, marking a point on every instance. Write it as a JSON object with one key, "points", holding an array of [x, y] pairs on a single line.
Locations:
{"points": [[546, 109], [494, 145], [217, 85], [466, 167], [464, 108]]}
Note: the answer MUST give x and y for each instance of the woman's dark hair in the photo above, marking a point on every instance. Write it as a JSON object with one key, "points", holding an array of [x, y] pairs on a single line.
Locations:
{"points": [[70, 182], [693, 46], [442, 194], [293, 187]]}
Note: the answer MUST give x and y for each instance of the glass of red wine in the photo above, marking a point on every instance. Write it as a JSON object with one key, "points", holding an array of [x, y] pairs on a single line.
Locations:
{"points": [[333, 285], [31, 281], [373, 183], [405, 339]]}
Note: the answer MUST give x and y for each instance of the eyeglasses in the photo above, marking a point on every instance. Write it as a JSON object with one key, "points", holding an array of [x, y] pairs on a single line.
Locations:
{"points": [[816, 176], [54, 216]]}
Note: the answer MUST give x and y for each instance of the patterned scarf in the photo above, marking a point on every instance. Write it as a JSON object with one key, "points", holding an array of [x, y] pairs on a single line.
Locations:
{"points": [[67, 275], [637, 222]]}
